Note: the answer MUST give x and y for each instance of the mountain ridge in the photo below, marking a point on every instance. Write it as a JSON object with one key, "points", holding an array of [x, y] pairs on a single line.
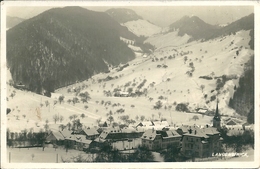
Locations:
{"points": [[198, 29], [123, 15], [40, 50], [13, 21]]}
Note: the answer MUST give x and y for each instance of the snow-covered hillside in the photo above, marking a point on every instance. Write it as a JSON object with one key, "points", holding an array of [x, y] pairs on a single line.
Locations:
{"points": [[173, 71], [142, 27], [170, 39]]}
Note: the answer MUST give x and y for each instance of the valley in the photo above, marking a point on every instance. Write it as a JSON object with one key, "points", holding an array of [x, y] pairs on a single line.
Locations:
{"points": [[213, 59], [71, 71]]}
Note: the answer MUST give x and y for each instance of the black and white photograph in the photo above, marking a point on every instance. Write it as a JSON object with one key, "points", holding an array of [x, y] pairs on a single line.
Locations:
{"points": [[147, 84]]}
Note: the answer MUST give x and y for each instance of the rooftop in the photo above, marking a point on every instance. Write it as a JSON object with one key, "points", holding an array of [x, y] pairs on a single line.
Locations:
{"points": [[91, 131], [201, 132]]}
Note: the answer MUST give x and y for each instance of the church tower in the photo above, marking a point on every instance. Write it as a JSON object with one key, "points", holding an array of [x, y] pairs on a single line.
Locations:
{"points": [[216, 119]]}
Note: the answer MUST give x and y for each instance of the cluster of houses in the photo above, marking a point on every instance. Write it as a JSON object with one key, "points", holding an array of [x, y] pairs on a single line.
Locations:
{"points": [[198, 141], [195, 141]]}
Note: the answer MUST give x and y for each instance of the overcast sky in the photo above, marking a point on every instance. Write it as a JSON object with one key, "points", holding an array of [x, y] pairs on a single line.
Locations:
{"points": [[161, 16]]}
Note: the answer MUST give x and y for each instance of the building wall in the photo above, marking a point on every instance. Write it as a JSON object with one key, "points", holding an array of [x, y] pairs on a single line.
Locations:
{"points": [[172, 141], [215, 144], [161, 143], [193, 146], [152, 144]]}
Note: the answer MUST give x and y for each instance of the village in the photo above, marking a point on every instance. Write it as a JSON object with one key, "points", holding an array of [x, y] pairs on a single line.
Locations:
{"points": [[131, 91], [194, 143]]}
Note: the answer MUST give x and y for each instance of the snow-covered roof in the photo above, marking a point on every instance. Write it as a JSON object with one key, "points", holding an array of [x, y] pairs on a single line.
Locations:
{"points": [[201, 132], [66, 133], [55, 136], [202, 110], [161, 123], [146, 123], [91, 132]]}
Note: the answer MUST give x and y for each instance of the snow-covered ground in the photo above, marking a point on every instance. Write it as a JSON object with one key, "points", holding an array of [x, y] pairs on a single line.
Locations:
{"points": [[170, 39], [37, 155], [211, 58], [142, 27]]}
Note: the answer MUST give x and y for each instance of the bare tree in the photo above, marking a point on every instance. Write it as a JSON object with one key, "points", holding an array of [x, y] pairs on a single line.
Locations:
{"points": [[55, 118], [142, 118], [82, 115], [195, 117], [152, 116], [159, 113], [98, 121], [47, 103], [202, 87], [61, 99], [136, 117], [70, 117], [74, 116], [61, 118], [55, 102]]}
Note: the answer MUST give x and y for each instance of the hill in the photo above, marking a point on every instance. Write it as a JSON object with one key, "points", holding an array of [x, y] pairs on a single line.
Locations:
{"points": [[244, 23], [142, 27], [194, 74], [13, 21], [135, 23], [64, 45], [123, 15], [193, 26], [198, 29]]}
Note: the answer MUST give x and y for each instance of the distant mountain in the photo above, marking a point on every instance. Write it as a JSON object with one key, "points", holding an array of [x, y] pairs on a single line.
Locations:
{"points": [[198, 29], [193, 26], [123, 15], [142, 27], [65, 45], [245, 23], [13, 21]]}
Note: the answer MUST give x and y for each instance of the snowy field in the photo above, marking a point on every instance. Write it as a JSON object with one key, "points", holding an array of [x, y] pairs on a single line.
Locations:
{"points": [[142, 27], [212, 58], [36, 155]]}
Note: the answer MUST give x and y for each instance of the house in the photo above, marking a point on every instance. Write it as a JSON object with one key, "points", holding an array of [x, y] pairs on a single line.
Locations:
{"points": [[20, 86], [201, 142], [55, 138], [123, 94], [160, 139], [145, 124], [66, 133], [110, 135], [90, 133], [55, 95], [159, 125], [231, 122], [235, 131], [182, 129], [58, 137], [78, 142], [152, 140], [202, 111]]}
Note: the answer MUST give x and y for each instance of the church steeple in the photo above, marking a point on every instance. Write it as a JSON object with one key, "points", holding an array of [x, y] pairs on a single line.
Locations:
{"points": [[216, 119], [217, 115]]}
